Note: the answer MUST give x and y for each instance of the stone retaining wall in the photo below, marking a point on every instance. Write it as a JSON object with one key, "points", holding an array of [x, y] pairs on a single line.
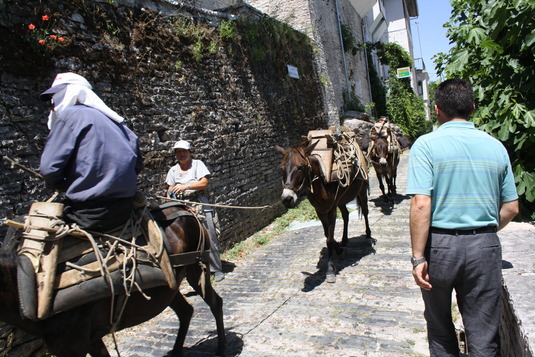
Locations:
{"points": [[232, 98], [513, 340], [517, 329]]}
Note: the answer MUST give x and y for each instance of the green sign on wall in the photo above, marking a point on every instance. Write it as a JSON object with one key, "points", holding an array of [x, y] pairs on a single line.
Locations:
{"points": [[403, 72]]}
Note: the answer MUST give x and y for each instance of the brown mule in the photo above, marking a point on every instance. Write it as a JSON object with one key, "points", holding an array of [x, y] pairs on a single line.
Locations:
{"points": [[385, 162], [79, 331], [301, 171]]}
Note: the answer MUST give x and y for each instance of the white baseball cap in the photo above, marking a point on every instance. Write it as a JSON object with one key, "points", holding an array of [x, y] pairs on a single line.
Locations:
{"points": [[182, 144], [61, 81]]}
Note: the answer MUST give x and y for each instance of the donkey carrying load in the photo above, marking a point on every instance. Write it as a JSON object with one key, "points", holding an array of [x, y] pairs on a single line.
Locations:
{"points": [[384, 152], [333, 173], [71, 287]]}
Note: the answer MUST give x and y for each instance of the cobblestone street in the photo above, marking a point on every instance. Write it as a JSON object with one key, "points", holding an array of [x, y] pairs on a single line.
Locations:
{"points": [[277, 303]]}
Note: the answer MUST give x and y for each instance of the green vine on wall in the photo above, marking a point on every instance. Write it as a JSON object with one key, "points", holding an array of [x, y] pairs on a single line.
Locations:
{"points": [[199, 38], [405, 108], [348, 40], [378, 90]]}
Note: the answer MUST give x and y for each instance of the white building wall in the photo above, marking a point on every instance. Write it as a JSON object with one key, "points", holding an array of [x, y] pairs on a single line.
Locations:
{"points": [[357, 71], [399, 30], [423, 90]]}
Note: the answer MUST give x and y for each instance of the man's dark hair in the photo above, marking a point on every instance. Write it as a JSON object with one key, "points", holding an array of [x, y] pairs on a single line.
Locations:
{"points": [[455, 97]]}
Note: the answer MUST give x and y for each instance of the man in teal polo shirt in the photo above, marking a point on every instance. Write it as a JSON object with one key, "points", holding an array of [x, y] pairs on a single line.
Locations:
{"points": [[463, 193]]}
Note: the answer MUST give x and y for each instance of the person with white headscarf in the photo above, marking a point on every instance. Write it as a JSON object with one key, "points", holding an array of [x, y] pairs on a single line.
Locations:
{"points": [[90, 155]]}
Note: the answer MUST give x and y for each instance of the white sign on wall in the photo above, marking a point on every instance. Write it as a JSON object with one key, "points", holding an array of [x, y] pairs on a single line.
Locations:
{"points": [[293, 72]]}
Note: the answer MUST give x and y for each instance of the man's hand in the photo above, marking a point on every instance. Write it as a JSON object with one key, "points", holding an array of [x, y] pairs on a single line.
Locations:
{"points": [[178, 189], [421, 276]]}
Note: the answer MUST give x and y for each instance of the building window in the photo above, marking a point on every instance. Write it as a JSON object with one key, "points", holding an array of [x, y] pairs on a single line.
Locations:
{"points": [[420, 89]]}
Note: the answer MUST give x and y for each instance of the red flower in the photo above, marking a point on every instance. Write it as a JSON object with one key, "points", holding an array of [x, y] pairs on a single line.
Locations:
{"points": [[54, 37], [41, 42], [48, 47], [61, 39], [45, 18], [31, 26]]}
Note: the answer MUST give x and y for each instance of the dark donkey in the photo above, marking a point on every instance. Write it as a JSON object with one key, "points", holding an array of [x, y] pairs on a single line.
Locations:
{"points": [[301, 171], [385, 160], [79, 331]]}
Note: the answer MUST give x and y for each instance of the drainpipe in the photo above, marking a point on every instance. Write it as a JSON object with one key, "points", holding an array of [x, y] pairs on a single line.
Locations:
{"points": [[363, 26], [342, 46]]}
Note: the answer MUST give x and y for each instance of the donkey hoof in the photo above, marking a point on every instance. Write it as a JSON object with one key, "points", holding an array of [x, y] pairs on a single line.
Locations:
{"points": [[330, 278]]}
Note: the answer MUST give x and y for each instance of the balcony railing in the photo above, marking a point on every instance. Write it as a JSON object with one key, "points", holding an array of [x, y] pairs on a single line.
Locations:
{"points": [[419, 63]]}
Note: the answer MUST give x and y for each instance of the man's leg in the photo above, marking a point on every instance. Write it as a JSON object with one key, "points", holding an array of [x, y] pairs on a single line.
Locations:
{"points": [[215, 260], [445, 259], [440, 329], [480, 295]]}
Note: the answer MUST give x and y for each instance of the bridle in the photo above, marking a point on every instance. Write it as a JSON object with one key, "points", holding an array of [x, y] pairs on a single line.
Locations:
{"points": [[372, 152], [308, 171]]}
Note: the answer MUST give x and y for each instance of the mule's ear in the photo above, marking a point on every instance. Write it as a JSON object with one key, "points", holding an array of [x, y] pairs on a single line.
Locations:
{"points": [[280, 149], [311, 147]]}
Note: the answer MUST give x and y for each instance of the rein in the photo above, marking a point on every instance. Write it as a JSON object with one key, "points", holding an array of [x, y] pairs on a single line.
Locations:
{"points": [[213, 205], [25, 169]]}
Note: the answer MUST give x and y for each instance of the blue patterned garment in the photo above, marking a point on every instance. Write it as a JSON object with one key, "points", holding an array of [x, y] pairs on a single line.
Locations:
{"points": [[466, 172]]}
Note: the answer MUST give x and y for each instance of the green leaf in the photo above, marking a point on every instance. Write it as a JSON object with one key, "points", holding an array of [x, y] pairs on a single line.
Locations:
{"points": [[518, 109], [458, 61], [492, 46], [529, 180], [514, 64], [503, 133], [520, 186], [530, 119], [530, 39], [519, 141], [476, 35]]}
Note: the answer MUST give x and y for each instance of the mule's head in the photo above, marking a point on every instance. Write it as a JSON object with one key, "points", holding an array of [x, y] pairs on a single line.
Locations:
{"points": [[295, 171], [379, 151]]}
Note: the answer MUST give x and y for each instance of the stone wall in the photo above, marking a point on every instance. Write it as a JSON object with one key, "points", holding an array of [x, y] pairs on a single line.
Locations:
{"points": [[232, 98], [514, 342]]}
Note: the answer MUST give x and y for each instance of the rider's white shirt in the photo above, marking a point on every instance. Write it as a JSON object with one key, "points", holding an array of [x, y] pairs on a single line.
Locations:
{"points": [[197, 171]]}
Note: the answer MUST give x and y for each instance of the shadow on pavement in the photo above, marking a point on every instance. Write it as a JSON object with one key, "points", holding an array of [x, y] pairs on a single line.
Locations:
{"points": [[207, 347], [357, 248], [387, 206]]}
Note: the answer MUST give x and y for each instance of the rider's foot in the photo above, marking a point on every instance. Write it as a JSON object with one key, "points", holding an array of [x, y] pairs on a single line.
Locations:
{"points": [[219, 275]]}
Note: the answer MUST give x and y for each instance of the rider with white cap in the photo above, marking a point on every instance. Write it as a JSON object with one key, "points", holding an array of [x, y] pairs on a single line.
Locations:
{"points": [[90, 155], [188, 179]]}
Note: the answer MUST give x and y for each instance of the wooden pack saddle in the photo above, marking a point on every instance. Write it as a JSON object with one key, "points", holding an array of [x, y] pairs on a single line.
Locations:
{"points": [[340, 156]]}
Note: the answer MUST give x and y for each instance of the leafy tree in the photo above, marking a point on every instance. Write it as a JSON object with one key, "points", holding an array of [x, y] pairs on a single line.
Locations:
{"points": [[432, 88], [494, 49], [405, 108]]}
